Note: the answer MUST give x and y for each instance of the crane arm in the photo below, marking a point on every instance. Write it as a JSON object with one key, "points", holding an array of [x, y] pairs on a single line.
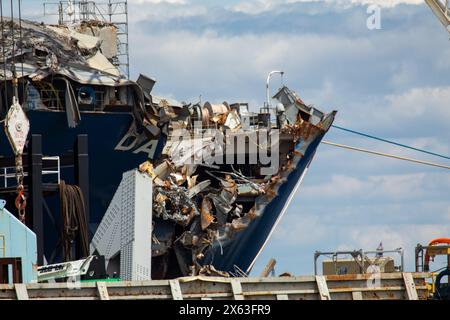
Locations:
{"points": [[441, 10]]}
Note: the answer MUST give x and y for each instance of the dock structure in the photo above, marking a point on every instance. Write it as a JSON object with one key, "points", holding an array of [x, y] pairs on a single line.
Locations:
{"points": [[387, 286]]}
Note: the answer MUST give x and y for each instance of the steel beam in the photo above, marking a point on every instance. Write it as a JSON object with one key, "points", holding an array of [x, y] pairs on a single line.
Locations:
{"points": [[81, 154], [36, 220]]}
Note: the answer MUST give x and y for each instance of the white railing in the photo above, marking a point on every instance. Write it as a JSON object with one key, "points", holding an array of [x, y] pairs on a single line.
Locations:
{"points": [[9, 173]]}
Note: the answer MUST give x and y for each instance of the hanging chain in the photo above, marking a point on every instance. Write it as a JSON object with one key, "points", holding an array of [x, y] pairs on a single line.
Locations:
{"points": [[21, 200]]}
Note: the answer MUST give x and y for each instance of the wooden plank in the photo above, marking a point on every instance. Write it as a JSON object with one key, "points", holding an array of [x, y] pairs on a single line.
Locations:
{"points": [[323, 288], [268, 268], [21, 291], [410, 286], [357, 295], [237, 289], [102, 290], [176, 290]]}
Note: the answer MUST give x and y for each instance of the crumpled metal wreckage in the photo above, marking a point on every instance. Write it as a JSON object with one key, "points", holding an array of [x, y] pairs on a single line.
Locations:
{"points": [[209, 203]]}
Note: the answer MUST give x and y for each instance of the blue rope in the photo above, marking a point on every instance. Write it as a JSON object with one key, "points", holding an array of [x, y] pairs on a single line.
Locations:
{"points": [[391, 142]]}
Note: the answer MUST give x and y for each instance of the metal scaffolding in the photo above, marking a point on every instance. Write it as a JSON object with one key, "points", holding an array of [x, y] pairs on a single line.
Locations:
{"points": [[110, 11]]}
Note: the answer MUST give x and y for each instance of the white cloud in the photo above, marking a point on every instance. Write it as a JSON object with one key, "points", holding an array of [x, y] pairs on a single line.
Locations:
{"points": [[163, 11], [305, 230], [405, 236], [383, 3], [398, 187], [403, 74], [338, 186], [260, 6], [418, 102], [308, 232], [302, 232], [158, 1], [419, 113], [388, 187], [239, 60]]}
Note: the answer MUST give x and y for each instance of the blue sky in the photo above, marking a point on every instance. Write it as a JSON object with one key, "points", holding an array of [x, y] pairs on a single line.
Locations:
{"points": [[392, 82]]}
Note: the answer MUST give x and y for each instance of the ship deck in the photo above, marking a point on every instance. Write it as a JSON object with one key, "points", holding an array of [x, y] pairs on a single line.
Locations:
{"points": [[384, 286]]}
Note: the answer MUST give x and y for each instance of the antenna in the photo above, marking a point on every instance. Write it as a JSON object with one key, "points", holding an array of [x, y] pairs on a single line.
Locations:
{"points": [[268, 83]]}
